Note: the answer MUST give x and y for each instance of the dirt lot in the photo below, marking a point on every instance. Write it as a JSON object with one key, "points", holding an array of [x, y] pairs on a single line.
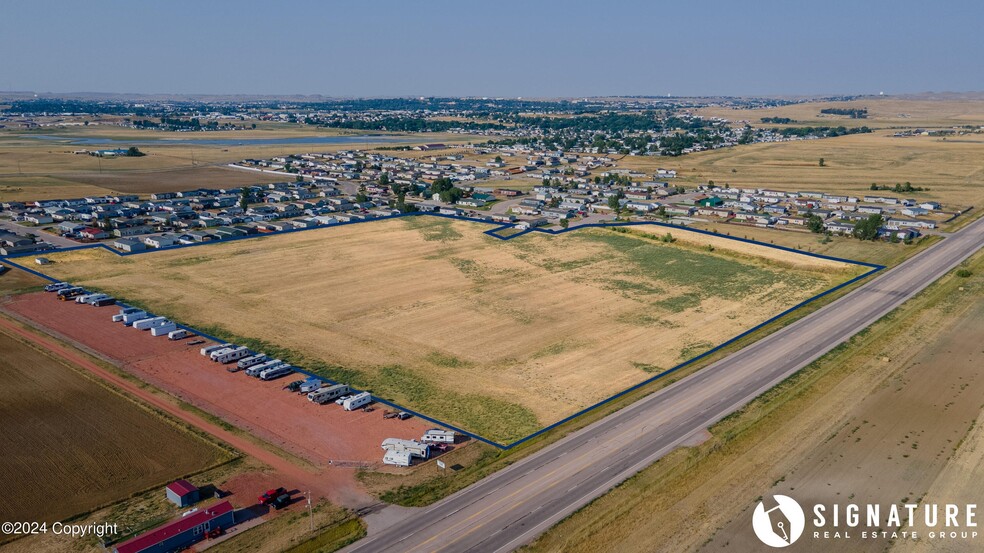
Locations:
{"points": [[543, 325], [68, 437], [320, 434], [883, 420]]}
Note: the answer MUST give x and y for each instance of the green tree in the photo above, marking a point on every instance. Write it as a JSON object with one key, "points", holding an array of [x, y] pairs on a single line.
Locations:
{"points": [[822, 162], [564, 223], [384, 179], [815, 223], [867, 229], [244, 197]]}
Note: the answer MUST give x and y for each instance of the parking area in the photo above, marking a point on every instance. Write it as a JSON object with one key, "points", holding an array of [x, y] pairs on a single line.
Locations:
{"points": [[322, 434]]}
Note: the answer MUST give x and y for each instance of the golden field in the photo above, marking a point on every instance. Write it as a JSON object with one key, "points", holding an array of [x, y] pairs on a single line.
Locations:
{"points": [[498, 337]]}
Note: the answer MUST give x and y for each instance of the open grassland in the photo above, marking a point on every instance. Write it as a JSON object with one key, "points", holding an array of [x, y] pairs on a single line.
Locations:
{"points": [[952, 169], [882, 113], [71, 445], [32, 168], [885, 418], [498, 337]]}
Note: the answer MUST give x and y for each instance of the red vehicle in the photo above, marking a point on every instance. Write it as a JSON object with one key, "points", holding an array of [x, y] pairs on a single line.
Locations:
{"points": [[270, 496]]}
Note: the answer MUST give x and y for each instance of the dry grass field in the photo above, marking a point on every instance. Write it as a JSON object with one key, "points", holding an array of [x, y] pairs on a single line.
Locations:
{"points": [[952, 169], [892, 417], [498, 337], [72, 445], [31, 168], [884, 112]]}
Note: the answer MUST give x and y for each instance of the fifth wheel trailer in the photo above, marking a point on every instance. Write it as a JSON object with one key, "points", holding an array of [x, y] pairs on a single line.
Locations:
{"points": [[436, 435], [250, 361], [214, 347], [256, 369]]}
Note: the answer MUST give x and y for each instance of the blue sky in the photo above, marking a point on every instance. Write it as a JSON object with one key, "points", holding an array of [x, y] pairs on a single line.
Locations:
{"points": [[501, 48]]}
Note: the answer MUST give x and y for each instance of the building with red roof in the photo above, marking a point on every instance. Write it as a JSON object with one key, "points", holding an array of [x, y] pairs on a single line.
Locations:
{"points": [[182, 493], [183, 532]]}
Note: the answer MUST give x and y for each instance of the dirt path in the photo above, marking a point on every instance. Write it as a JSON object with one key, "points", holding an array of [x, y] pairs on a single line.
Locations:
{"points": [[337, 485]]}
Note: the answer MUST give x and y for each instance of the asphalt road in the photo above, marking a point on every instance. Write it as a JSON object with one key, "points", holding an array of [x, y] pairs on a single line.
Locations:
{"points": [[513, 506]]}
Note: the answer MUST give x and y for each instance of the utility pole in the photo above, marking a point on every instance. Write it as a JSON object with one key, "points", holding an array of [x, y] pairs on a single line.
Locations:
{"points": [[310, 510]]}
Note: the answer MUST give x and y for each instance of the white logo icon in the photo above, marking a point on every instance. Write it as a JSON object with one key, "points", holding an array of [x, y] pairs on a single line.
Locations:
{"points": [[781, 525]]}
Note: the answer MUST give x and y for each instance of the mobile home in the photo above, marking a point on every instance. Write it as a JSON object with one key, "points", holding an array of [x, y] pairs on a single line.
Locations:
{"points": [[415, 448]]}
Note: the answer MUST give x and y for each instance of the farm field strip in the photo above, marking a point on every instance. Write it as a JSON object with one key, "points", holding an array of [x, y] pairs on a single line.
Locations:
{"points": [[546, 326]]}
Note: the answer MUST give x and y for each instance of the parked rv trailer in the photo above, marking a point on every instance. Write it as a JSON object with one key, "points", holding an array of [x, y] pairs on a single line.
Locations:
{"points": [[325, 395], [128, 310], [256, 369], [252, 360], [310, 385], [436, 435], [84, 298], [397, 458], [177, 334], [147, 324], [214, 347], [66, 294], [103, 302], [130, 318], [356, 401], [57, 286], [415, 448], [118, 318], [276, 372], [93, 298], [163, 330], [229, 355]]}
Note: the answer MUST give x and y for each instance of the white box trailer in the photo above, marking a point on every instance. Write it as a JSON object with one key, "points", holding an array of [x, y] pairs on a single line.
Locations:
{"points": [[84, 298], [130, 318], [230, 355], [163, 330], [276, 372], [118, 318], [252, 360], [356, 401], [178, 334], [436, 435], [397, 458], [256, 369], [415, 448], [325, 395], [147, 324], [214, 347]]}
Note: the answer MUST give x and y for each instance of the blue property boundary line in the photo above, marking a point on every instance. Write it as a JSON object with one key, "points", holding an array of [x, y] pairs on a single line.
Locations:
{"points": [[495, 233]]}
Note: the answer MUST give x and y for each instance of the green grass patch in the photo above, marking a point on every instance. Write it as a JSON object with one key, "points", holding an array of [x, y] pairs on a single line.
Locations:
{"points": [[676, 304], [434, 229], [333, 539]]}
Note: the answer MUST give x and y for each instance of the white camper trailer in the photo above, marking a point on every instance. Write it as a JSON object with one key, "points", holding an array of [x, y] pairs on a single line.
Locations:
{"points": [[356, 401]]}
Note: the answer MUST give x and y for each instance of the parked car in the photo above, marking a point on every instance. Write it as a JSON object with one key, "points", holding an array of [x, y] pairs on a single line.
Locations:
{"points": [[271, 495]]}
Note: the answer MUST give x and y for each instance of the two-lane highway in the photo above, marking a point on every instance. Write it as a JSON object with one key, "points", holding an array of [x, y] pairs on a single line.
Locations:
{"points": [[515, 505]]}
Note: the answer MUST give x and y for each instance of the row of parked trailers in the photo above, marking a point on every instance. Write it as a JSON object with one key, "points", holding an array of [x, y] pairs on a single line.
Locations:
{"points": [[254, 364], [141, 320], [67, 292]]}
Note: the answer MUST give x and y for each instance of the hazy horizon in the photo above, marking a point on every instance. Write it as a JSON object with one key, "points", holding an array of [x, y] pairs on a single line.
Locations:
{"points": [[509, 49]]}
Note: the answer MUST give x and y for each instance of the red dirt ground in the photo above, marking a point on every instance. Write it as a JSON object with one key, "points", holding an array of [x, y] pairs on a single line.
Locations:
{"points": [[325, 435]]}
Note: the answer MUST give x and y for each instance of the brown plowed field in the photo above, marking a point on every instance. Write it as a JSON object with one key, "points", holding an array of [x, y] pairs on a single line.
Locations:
{"points": [[318, 433], [71, 445]]}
